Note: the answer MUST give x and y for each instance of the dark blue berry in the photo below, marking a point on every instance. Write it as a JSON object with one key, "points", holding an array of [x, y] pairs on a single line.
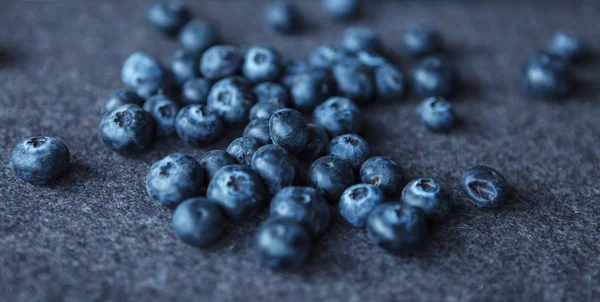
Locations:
{"points": [[238, 190], [168, 16], [164, 87], [263, 111], [354, 81], [389, 82], [198, 222], [485, 186], [231, 98], [358, 201], [355, 39], [127, 129], [121, 97], [291, 68], [323, 57], [174, 179], [434, 76], [275, 166], [303, 204], [38, 160], [436, 114], [195, 90], [316, 144], [338, 115], [289, 130], [546, 75], [419, 41], [281, 243], [397, 228], [197, 125], [261, 64], [184, 65], [220, 61], [331, 176], [566, 46], [198, 35], [164, 111], [384, 173], [281, 17], [273, 93], [309, 89], [349, 147], [426, 194], [259, 130], [141, 70], [214, 160], [242, 148], [341, 9], [371, 59]]}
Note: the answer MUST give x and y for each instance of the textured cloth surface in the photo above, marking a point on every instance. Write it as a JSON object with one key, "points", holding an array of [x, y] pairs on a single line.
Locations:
{"points": [[95, 234]]}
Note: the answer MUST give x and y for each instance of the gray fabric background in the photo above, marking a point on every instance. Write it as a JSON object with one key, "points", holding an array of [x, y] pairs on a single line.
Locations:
{"points": [[95, 234]]}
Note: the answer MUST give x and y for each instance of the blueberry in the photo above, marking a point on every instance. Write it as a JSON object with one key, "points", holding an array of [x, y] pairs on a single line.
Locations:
{"points": [[197, 125], [485, 186], [338, 115], [303, 204], [242, 148], [389, 82], [289, 130], [331, 176], [198, 222], [355, 39], [259, 130], [358, 201], [261, 64], [281, 243], [566, 46], [354, 81], [546, 75], [164, 87], [341, 9], [184, 65], [309, 89], [426, 194], [164, 111], [220, 61], [195, 91], [384, 173], [349, 147], [121, 97], [434, 76], [371, 59], [263, 111], [174, 179], [275, 167], [231, 98], [127, 129], [238, 190], [141, 70], [291, 68], [420, 40], [168, 16], [282, 17], [198, 35], [436, 114], [397, 228], [272, 93], [38, 160], [214, 160], [323, 57], [316, 144]]}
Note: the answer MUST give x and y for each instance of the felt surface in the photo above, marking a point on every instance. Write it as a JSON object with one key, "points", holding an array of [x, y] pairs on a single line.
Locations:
{"points": [[96, 235]]}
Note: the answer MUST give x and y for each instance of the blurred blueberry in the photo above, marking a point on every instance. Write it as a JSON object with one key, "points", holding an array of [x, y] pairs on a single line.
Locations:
{"points": [[338, 115], [198, 35], [305, 205], [259, 130], [436, 114], [195, 90]]}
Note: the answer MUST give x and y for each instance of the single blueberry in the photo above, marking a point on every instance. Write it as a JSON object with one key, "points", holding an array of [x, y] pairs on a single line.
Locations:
{"points": [[354, 81], [389, 82], [121, 97], [168, 16], [282, 17], [371, 59], [349, 147], [358, 201], [436, 114], [397, 228], [546, 76], [39, 160], [195, 90], [323, 57], [174, 179], [184, 65], [127, 129], [316, 144], [238, 190], [485, 186], [198, 35], [303, 204], [231, 98], [141, 70], [289, 130], [197, 125], [355, 39], [164, 111], [198, 222], [309, 89], [434, 76], [338, 115], [566, 46], [273, 93], [262, 64], [220, 61], [263, 111], [331, 176], [341, 9], [259, 130], [384, 173], [291, 68], [214, 160], [426, 194], [281, 243], [165, 87], [275, 166], [419, 40], [242, 148]]}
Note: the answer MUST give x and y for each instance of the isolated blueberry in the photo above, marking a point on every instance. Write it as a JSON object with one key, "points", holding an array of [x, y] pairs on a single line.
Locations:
{"points": [[349, 147], [40, 159], [174, 179], [259, 130], [389, 82], [291, 68], [231, 98], [354, 81], [384, 173], [398, 229], [273, 93], [262, 64], [485, 186], [546, 75], [355, 39], [289, 130], [220, 61], [168, 16], [198, 35], [371, 59], [238, 190], [127, 129], [198, 222], [305, 205], [275, 166], [141, 70], [164, 112], [434, 76], [281, 243], [282, 17], [214, 160], [197, 125], [309, 89], [426, 194], [331, 176], [358, 201], [323, 57], [195, 90], [341, 9], [419, 40], [338, 115], [184, 65], [121, 97], [566, 46], [242, 148], [316, 144], [263, 111], [436, 114]]}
